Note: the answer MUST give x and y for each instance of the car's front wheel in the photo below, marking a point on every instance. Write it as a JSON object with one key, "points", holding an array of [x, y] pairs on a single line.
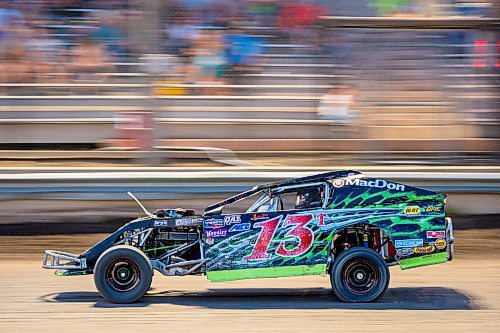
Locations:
{"points": [[359, 275], [123, 274]]}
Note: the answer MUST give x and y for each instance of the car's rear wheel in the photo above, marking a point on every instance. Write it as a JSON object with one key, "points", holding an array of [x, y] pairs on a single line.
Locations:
{"points": [[359, 275], [123, 274]]}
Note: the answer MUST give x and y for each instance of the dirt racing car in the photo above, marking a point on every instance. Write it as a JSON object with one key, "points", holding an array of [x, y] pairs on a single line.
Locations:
{"points": [[340, 223]]}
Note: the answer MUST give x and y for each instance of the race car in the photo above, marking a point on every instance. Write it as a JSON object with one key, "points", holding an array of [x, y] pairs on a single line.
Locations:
{"points": [[342, 223]]}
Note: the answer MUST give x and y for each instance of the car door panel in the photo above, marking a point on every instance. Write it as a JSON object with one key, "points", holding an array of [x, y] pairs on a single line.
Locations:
{"points": [[264, 240]]}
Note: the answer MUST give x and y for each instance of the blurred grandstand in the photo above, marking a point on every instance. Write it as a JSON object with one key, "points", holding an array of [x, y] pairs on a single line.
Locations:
{"points": [[408, 82]]}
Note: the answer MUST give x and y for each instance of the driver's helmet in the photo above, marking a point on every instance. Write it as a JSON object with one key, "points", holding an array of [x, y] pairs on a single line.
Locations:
{"points": [[308, 198]]}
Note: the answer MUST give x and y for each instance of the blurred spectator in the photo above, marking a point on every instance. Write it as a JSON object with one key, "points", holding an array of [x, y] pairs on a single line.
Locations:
{"points": [[180, 36], [297, 20], [47, 56], [241, 52], [337, 105], [88, 61], [9, 15], [14, 67], [109, 33], [264, 12], [208, 60]]}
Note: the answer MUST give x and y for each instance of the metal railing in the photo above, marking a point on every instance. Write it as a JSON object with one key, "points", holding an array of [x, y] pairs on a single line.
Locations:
{"points": [[178, 184]]}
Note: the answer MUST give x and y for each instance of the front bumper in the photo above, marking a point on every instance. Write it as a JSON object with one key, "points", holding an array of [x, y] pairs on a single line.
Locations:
{"points": [[62, 260], [449, 239]]}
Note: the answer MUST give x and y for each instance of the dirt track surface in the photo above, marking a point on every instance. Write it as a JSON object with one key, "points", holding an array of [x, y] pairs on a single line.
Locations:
{"points": [[460, 296]]}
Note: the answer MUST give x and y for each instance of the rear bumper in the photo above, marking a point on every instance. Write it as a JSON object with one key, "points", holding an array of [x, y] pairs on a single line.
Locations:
{"points": [[449, 239]]}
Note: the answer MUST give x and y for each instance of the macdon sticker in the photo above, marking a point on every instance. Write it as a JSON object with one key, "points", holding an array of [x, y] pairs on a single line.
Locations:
{"points": [[440, 244], [377, 183], [408, 242], [161, 223], [435, 234]]}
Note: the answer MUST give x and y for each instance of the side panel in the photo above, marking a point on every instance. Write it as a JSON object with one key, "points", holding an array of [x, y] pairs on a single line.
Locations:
{"points": [[413, 218], [424, 260], [266, 272], [273, 244], [414, 237]]}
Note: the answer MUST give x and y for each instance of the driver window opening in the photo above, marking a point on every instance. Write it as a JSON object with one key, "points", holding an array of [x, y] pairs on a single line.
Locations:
{"points": [[303, 198]]}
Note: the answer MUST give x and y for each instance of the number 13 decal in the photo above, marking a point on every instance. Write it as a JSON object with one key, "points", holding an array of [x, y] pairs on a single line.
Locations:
{"points": [[300, 231]]}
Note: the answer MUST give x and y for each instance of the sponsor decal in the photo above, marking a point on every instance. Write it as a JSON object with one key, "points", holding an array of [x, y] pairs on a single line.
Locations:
{"points": [[216, 233], [321, 218], [338, 182], [232, 219], [435, 234], [186, 221], [404, 252], [440, 244], [240, 227], [160, 223], [377, 183], [408, 242], [260, 216], [412, 210], [213, 223], [209, 240], [432, 209], [424, 249]]}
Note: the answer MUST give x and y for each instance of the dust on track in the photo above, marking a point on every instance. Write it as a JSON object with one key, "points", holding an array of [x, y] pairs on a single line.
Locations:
{"points": [[460, 296]]}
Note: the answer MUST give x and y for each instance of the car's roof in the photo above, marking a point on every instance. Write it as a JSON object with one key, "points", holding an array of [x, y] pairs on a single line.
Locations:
{"points": [[312, 178], [302, 180]]}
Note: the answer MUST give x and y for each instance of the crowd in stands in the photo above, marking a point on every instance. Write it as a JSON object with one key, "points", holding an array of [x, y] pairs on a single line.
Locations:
{"points": [[207, 41], [58, 41], [204, 41]]}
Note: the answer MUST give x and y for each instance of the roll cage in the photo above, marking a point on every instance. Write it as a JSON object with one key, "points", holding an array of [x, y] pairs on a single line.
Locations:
{"points": [[270, 198], [276, 187]]}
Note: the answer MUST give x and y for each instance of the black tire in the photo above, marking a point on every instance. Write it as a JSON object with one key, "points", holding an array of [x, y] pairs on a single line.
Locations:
{"points": [[123, 274], [359, 275]]}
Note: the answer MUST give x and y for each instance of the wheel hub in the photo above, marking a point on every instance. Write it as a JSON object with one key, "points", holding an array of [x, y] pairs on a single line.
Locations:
{"points": [[360, 277], [122, 275]]}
